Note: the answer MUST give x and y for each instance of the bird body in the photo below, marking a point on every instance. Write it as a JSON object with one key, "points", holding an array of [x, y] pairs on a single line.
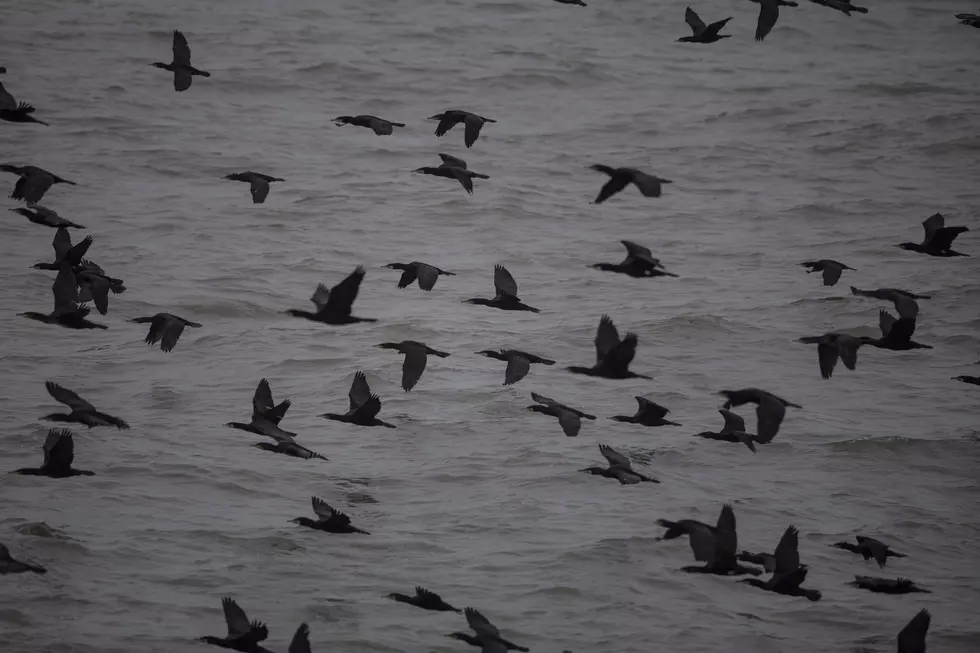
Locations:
{"points": [[620, 178], [33, 183], [334, 304], [472, 124], [770, 410], [843, 6], [364, 406], [613, 356], [639, 263], [714, 546], [569, 418], [506, 298], [972, 380], [67, 311], [832, 346], [702, 33], [425, 273], [59, 454], [165, 328], [12, 111], [379, 126], [82, 412], [972, 20], [648, 413], [181, 65], [938, 240], [329, 519], [453, 168], [258, 183], [896, 334], [619, 467], [416, 356], [518, 362]]}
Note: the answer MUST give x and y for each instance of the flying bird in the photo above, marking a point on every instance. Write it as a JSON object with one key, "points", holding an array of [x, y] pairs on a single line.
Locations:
{"points": [[938, 240], [896, 334], [181, 65], [770, 410], [613, 356], [768, 15], [59, 454], [732, 431], [328, 519], [10, 566], [243, 635], [453, 168], [67, 311], [472, 124], [424, 599], [487, 635], [82, 412], [788, 574], [887, 585], [379, 126], [903, 301], [715, 547], [425, 274], [266, 415], [334, 304], [364, 406], [648, 413], [620, 178], [972, 20], [46, 217], [506, 298], [416, 356], [639, 263], [65, 252], [843, 6], [34, 182], [831, 346], [569, 418], [912, 638], [869, 547], [831, 269], [12, 111], [258, 183], [518, 362], [619, 468], [702, 33], [165, 328]]}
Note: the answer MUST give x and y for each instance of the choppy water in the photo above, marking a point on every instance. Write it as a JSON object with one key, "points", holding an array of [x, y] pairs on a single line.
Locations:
{"points": [[833, 138]]}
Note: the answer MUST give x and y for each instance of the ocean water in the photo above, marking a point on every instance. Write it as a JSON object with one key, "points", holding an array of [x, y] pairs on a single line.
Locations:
{"points": [[834, 138]]}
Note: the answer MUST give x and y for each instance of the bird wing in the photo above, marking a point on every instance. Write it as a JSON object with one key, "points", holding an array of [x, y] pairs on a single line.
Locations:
{"points": [[831, 274], [380, 127], [171, 328], [62, 452], [691, 18], [616, 183], [451, 161], [479, 623], [35, 185], [370, 408], [649, 185], [546, 401], [320, 296], [259, 188], [827, 353], [639, 252], [67, 397], [473, 126], [715, 27], [504, 282], [182, 80], [768, 15], [413, 366], [787, 552], [7, 101], [61, 243], [932, 224], [905, 305], [885, 322], [427, 275], [517, 368], [614, 458], [703, 543], [342, 295], [943, 238], [652, 408], [360, 391], [323, 509], [770, 413], [847, 349], [301, 640], [912, 638], [901, 331], [877, 549], [570, 422], [182, 52], [65, 291], [408, 276], [262, 401], [622, 355], [726, 538], [462, 176], [236, 619], [51, 444], [447, 122], [606, 338], [733, 423]]}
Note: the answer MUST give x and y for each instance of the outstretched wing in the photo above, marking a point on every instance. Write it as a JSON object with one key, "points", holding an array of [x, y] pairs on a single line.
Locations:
{"points": [[606, 338], [787, 552], [67, 397], [932, 224], [691, 18], [614, 458], [733, 423], [236, 619], [360, 391], [504, 282], [182, 52], [451, 161], [342, 295]]}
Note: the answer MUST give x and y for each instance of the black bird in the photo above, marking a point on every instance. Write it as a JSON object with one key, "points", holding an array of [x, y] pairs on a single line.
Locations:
{"points": [[768, 15], [912, 638], [379, 126], [620, 468], [425, 273], [788, 574], [11, 111], [243, 635], [329, 520], [165, 329], [681, 527], [424, 599], [65, 252], [732, 431], [472, 123], [831, 269], [869, 548], [938, 240], [843, 6], [973, 20], [301, 640], [830, 347], [34, 182], [506, 298], [266, 415], [59, 453], [572, 2], [10, 566], [289, 447], [453, 168], [887, 585], [487, 635], [258, 183], [181, 65], [94, 285], [620, 178], [716, 547], [2, 70], [518, 362], [896, 334], [364, 406], [770, 410], [904, 301], [569, 418], [613, 356], [416, 355], [82, 412], [46, 217], [973, 380], [703, 33], [766, 560], [639, 263], [333, 306], [648, 413], [67, 312]]}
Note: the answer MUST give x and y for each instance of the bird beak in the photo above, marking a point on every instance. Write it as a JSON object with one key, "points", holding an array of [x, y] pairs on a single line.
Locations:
{"points": [[417, 170]]}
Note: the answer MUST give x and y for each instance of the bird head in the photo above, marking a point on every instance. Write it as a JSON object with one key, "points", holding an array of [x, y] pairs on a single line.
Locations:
{"points": [[593, 470], [438, 116], [387, 345], [342, 120], [906, 245], [422, 169], [486, 352], [159, 65]]}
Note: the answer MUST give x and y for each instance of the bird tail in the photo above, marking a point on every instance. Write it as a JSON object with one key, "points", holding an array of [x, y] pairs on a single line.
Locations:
{"points": [[809, 340], [440, 354], [37, 569], [860, 10], [479, 175], [397, 124]]}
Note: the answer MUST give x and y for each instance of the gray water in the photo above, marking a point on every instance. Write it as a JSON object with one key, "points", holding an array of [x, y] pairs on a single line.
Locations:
{"points": [[833, 138]]}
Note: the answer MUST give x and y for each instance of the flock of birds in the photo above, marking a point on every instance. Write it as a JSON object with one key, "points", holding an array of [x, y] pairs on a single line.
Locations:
{"points": [[80, 281]]}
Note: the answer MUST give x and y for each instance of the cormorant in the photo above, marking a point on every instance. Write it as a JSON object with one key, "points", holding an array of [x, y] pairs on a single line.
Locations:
{"points": [[843, 6], [569, 418], [333, 305], [639, 263], [329, 520], [766, 560], [10, 566], [301, 640], [703, 33], [289, 447], [425, 273], [258, 183], [912, 638], [165, 328], [620, 178], [424, 599], [266, 415], [487, 635], [938, 240], [831, 269], [974, 380], [67, 312], [973, 20], [896, 334], [65, 252], [181, 65], [572, 2], [768, 15], [831, 346], [59, 453], [94, 285], [242, 635], [869, 548], [46, 217], [887, 585], [364, 406], [416, 355], [620, 468], [82, 412], [716, 547], [472, 122], [453, 168], [788, 574], [613, 356], [11, 111], [379, 126], [681, 527], [518, 362], [648, 413], [34, 182], [732, 431], [506, 298], [769, 411], [904, 301]]}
